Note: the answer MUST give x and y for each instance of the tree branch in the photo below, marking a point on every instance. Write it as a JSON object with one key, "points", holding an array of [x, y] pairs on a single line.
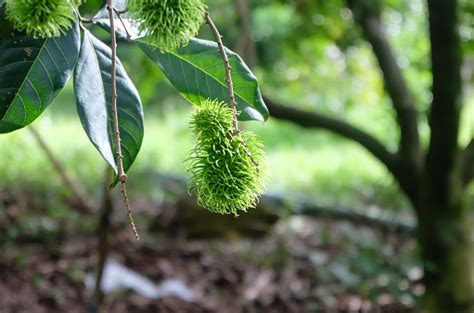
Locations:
{"points": [[83, 204], [467, 163], [408, 183], [103, 232], [395, 84], [315, 120]]}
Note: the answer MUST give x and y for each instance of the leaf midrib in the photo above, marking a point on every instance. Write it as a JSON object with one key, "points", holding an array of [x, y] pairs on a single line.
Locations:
{"points": [[109, 133], [207, 73]]}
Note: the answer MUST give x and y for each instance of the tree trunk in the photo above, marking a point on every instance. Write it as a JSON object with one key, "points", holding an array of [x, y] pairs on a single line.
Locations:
{"points": [[445, 231], [445, 237]]}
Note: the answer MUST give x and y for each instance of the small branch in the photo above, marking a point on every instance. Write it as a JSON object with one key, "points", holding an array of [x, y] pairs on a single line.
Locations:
{"points": [[394, 81], [230, 86], [314, 120], [119, 15], [77, 193], [103, 238], [81, 19], [126, 201], [392, 161], [118, 146], [121, 173], [249, 154], [467, 163], [228, 76], [86, 20]]}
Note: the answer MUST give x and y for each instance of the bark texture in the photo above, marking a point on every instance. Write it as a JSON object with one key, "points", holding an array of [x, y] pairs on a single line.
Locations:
{"points": [[445, 232]]}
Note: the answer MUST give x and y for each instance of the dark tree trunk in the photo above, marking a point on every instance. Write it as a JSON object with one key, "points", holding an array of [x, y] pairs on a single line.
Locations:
{"points": [[445, 231], [445, 240]]}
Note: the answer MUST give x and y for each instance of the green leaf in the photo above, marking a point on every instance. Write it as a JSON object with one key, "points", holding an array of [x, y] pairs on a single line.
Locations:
{"points": [[197, 71], [32, 72], [92, 84]]}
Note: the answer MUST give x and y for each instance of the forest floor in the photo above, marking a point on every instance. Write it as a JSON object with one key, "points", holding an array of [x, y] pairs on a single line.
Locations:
{"points": [[301, 264]]}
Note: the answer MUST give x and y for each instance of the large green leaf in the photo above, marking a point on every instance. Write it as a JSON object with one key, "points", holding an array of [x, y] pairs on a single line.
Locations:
{"points": [[92, 84], [32, 72], [197, 71]]}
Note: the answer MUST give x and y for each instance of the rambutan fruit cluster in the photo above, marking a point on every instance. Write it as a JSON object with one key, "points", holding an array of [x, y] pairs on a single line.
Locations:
{"points": [[222, 168]]}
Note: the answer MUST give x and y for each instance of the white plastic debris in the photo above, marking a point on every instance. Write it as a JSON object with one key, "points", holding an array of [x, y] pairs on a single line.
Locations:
{"points": [[117, 277]]}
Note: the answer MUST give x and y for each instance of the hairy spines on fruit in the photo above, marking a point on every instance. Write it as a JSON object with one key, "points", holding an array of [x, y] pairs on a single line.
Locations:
{"points": [[40, 18], [222, 173], [167, 24]]}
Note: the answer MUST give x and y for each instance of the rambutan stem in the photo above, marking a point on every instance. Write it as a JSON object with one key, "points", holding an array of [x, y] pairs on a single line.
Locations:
{"points": [[228, 67], [119, 15], [230, 86], [118, 147]]}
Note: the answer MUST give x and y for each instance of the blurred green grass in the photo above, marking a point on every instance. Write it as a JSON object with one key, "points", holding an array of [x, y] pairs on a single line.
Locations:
{"points": [[310, 164]]}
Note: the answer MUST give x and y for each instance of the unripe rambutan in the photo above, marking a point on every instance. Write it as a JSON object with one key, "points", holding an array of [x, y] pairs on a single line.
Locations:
{"points": [[40, 18], [222, 174], [167, 24]]}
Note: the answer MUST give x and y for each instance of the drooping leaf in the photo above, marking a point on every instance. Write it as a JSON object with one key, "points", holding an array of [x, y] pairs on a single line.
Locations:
{"points": [[197, 71], [92, 84], [32, 72]]}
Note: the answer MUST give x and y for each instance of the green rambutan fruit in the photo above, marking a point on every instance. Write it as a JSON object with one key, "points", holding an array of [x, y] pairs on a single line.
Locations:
{"points": [[222, 174], [167, 24], [212, 120], [40, 18]]}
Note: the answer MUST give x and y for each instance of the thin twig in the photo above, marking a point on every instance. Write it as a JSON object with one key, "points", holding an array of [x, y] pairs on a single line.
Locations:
{"points": [[228, 68], [230, 86], [86, 20], [82, 19], [103, 238], [249, 154], [79, 197], [121, 173], [129, 210], [119, 15]]}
